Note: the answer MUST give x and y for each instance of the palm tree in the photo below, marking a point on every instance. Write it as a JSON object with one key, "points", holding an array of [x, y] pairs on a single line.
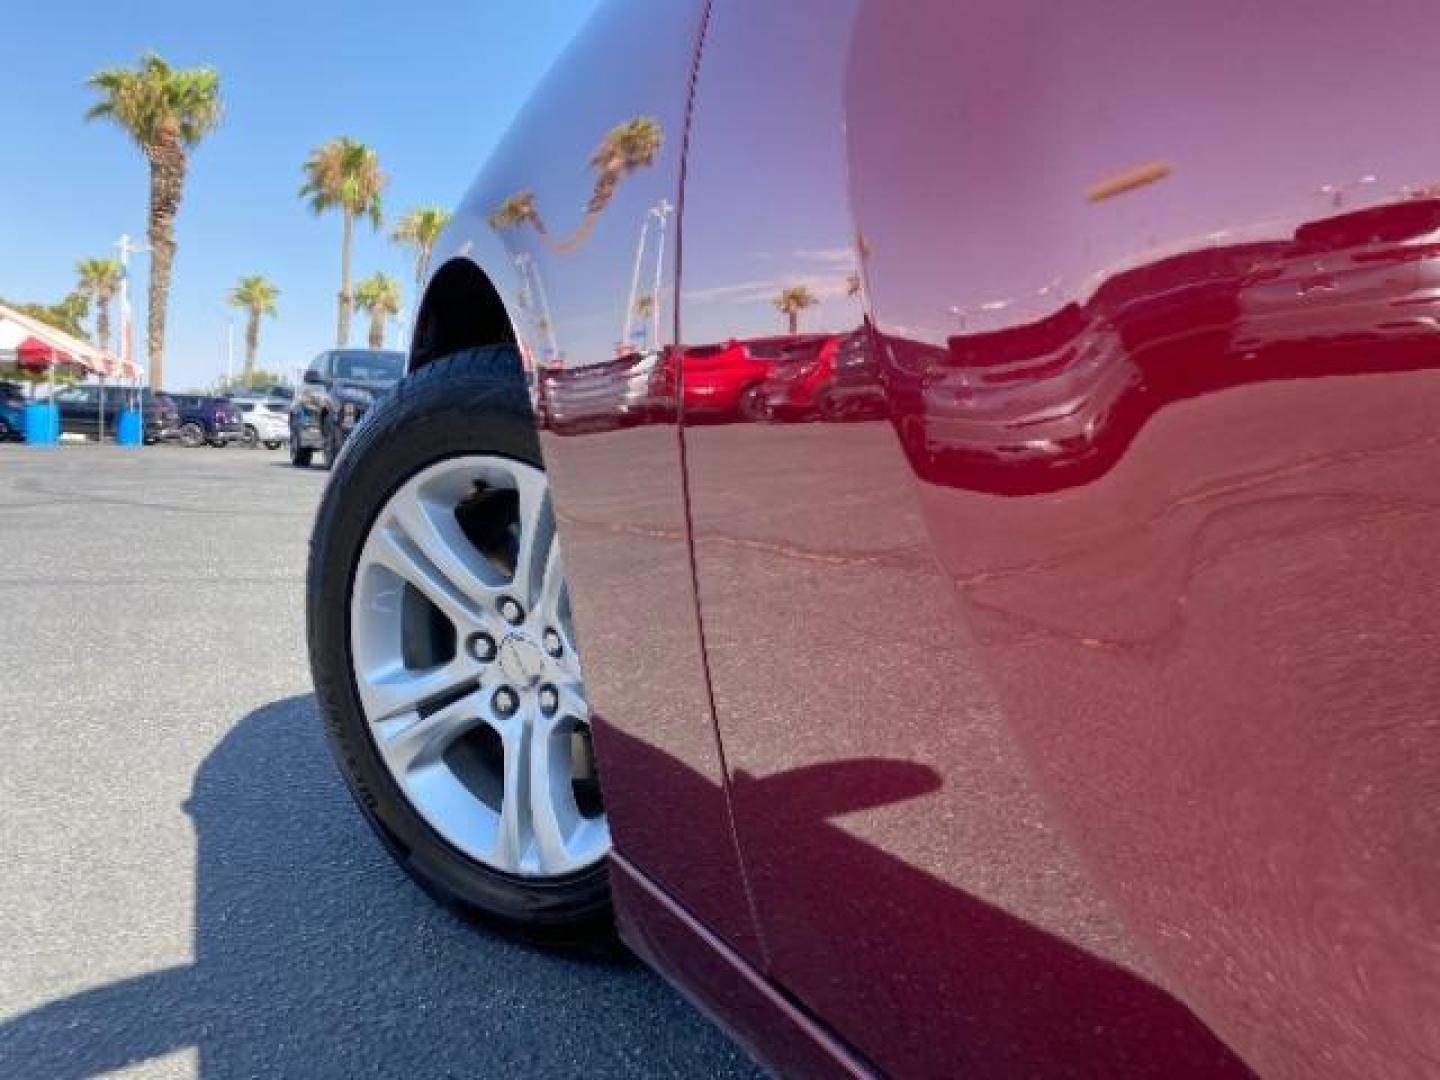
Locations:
{"points": [[517, 209], [345, 173], [420, 228], [379, 294], [167, 111], [100, 280], [794, 299], [256, 295]]}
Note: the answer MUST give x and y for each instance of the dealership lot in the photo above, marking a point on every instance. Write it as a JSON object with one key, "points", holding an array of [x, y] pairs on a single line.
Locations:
{"points": [[187, 888]]}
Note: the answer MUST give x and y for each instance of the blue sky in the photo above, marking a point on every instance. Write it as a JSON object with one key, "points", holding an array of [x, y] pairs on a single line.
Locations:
{"points": [[431, 87]]}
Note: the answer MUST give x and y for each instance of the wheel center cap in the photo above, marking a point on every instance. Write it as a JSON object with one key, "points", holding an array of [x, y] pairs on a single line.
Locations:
{"points": [[521, 660]]}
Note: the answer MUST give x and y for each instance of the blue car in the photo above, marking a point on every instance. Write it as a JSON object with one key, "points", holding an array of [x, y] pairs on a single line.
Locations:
{"points": [[12, 413]]}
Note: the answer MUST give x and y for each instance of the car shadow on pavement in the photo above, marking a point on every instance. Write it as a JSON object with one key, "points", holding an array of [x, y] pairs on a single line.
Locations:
{"points": [[315, 956]]}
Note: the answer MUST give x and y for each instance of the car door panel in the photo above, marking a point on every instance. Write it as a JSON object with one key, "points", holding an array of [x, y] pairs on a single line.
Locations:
{"points": [[1071, 688], [584, 262]]}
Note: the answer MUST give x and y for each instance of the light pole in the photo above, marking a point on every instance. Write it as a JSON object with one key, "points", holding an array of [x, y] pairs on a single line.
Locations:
{"points": [[127, 248], [661, 211], [530, 274], [629, 321]]}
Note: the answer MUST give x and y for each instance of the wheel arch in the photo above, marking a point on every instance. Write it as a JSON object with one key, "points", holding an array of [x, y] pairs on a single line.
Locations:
{"points": [[462, 309]]}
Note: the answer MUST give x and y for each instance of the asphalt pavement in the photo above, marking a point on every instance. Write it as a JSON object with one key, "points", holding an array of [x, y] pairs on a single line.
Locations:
{"points": [[187, 889]]}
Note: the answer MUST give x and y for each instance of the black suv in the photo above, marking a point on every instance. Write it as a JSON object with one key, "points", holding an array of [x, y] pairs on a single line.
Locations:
{"points": [[338, 387], [95, 410], [205, 419]]}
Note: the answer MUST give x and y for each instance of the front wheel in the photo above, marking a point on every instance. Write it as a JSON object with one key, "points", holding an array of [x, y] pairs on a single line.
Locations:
{"points": [[192, 435], [443, 653], [273, 444]]}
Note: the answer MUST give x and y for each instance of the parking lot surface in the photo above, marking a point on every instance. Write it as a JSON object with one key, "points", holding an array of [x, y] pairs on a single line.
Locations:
{"points": [[187, 889]]}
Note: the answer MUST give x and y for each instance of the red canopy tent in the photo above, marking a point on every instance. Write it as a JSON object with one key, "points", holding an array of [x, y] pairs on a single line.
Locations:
{"points": [[37, 355], [38, 346]]}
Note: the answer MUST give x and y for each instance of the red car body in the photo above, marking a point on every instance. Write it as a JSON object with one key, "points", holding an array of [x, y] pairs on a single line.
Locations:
{"points": [[1076, 710], [716, 378], [798, 387]]}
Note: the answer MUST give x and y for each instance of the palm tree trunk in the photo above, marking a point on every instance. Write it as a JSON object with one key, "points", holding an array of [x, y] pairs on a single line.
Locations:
{"points": [[794, 318], [167, 179], [252, 343], [377, 329], [342, 333], [422, 271], [578, 236], [102, 323]]}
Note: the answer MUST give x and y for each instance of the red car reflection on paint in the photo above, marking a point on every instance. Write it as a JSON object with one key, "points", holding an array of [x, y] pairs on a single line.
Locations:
{"points": [[1064, 702]]}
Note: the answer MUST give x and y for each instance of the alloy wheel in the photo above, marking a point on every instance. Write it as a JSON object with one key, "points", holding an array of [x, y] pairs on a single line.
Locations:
{"points": [[464, 659]]}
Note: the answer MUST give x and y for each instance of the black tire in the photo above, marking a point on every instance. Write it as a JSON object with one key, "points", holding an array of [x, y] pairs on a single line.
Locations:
{"points": [[273, 444], [299, 455], [333, 440], [471, 403], [192, 435]]}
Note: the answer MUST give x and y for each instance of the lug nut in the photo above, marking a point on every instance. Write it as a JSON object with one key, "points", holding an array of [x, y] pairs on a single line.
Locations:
{"points": [[512, 611], [553, 645], [549, 700], [506, 701], [482, 647]]}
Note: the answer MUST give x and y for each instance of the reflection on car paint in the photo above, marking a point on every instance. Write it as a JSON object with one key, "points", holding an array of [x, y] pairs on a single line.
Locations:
{"points": [[1058, 419]]}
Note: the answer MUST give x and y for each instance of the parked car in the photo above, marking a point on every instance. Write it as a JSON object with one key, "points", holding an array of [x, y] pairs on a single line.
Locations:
{"points": [[338, 387], [12, 413], [91, 409], [853, 391], [205, 420], [799, 386], [618, 393], [265, 420], [1069, 712], [725, 381]]}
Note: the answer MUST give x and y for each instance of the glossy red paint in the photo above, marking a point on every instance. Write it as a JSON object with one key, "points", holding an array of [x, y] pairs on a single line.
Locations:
{"points": [[1065, 703]]}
